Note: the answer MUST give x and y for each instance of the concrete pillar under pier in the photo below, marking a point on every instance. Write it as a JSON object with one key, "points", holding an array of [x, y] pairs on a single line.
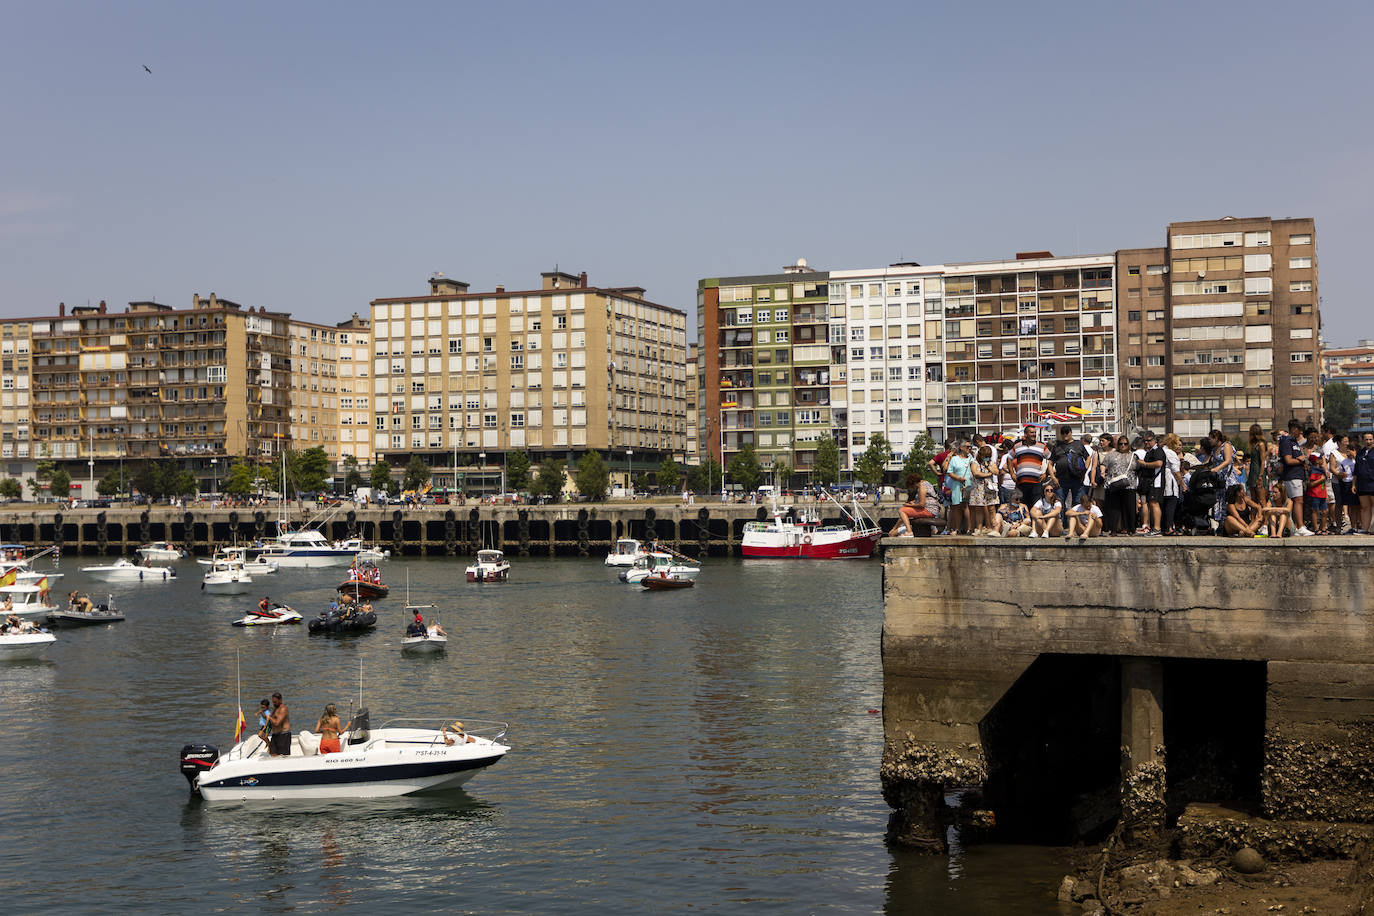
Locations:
{"points": [[1142, 748]]}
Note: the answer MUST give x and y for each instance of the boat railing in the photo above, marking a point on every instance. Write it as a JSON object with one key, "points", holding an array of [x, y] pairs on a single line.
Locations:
{"points": [[486, 729]]}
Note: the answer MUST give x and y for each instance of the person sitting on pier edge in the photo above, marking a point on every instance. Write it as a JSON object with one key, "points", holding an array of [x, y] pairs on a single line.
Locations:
{"points": [[1014, 520], [1278, 515], [1085, 518], [1243, 518], [1045, 514]]}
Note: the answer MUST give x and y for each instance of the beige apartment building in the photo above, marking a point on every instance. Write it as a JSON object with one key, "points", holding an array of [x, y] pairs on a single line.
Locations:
{"points": [[16, 443], [462, 378], [1220, 327], [692, 455], [314, 400], [355, 390]]}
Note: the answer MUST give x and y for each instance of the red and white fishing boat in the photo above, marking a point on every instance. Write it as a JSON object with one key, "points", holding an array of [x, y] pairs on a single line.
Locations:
{"points": [[804, 537]]}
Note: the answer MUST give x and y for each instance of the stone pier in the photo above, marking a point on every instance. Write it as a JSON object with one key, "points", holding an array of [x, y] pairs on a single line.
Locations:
{"points": [[562, 530], [1078, 687]]}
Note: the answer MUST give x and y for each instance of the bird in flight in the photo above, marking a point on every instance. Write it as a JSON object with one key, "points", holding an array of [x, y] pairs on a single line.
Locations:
{"points": [[145, 67]]}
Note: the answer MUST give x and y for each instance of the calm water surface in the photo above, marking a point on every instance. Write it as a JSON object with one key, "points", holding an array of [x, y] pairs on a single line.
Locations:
{"points": [[704, 749]]}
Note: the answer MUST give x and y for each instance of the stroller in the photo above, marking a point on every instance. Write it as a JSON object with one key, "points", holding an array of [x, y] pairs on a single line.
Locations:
{"points": [[1195, 510]]}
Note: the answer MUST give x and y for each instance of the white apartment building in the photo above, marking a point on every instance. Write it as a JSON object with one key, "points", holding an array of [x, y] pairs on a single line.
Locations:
{"points": [[355, 390]]}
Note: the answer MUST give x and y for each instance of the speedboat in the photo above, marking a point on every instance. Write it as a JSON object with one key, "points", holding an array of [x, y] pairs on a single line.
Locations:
{"points": [[660, 563], [25, 601], [16, 557], [664, 582], [124, 571], [276, 615], [363, 551], [345, 619], [261, 565], [428, 641], [403, 757], [85, 614], [161, 552], [627, 550], [22, 646], [227, 577], [491, 566]]}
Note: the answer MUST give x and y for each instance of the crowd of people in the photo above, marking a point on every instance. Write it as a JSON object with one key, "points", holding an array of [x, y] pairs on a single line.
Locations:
{"points": [[1299, 481]]}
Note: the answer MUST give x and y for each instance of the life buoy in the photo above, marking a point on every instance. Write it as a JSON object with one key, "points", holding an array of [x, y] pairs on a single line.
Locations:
{"points": [[806, 539]]}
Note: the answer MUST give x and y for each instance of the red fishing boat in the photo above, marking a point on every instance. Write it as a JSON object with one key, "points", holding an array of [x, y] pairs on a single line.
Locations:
{"points": [[802, 536]]}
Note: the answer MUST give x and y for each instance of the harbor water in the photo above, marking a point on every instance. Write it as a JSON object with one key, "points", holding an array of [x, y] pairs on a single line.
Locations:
{"points": [[714, 748]]}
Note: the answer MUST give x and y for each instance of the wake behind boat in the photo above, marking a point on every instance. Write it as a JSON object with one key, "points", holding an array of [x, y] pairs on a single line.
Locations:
{"points": [[403, 757]]}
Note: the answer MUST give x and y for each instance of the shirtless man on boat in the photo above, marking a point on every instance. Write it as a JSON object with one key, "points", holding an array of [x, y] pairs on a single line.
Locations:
{"points": [[279, 721]]}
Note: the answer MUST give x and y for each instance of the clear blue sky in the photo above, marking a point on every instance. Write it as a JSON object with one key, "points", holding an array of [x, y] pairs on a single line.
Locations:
{"points": [[310, 157]]}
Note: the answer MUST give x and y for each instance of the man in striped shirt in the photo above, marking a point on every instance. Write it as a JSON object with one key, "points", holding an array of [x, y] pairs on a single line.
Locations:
{"points": [[1028, 460]]}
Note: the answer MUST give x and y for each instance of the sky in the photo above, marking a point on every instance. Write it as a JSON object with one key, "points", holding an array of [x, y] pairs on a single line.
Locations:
{"points": [[310, 157]]}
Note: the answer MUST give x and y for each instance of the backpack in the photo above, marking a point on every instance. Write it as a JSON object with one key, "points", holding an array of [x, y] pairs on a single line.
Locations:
{"points": [[1071, 462]]}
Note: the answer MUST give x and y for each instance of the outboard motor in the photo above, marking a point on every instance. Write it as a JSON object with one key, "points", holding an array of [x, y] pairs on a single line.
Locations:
{"points": [[196, 759], [362, 725]]}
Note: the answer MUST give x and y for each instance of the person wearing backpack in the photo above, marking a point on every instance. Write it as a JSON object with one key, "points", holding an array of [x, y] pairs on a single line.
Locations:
{"points": [[1068, 466]]}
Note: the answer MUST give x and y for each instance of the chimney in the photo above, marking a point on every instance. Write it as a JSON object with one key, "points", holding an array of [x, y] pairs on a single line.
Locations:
{"points": [[584, 279], [102, 306], [500, 289], [61, 309]]}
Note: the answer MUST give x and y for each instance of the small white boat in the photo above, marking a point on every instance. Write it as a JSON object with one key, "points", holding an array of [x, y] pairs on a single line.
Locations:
{"points": [[276, 615], [227, 578], [261, 565], [25, 601], [432, 641], [658, 563], [161, 552], [124, 571], [365, 552], [21, 646], [491, 566], [16, 557], [403, 757], [627, 550], [308, 548]]}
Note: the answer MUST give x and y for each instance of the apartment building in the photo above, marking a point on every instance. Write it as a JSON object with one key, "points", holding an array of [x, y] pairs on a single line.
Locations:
{"points": [[1355, 367], [555, 371], [313, 409], [355, 390], [764, 371], [1220, 327], [16, 442], [692, 453], [983, 346]]}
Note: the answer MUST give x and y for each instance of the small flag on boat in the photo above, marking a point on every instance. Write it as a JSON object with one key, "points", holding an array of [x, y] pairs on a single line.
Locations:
{"points": [[10, 577], [239, 726], [41, 583], [1079, 410]]}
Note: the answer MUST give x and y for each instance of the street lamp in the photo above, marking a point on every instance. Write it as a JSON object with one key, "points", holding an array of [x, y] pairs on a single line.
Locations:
{"points": [[214, 475], [629, 472], [482, 457]]}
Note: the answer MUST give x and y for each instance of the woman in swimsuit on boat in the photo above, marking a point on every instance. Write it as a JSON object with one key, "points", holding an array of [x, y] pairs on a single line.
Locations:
{"points": [[329, 730]]}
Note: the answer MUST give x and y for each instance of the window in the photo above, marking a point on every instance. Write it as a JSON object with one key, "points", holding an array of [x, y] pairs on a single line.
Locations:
{"points": [[1300, 286], [1256, 239], [489, 420], [1302, 309], [1133, 315], [1298, 263], [1301, 357], [1258, 286], [1304, 238], [781, 336], [1154, 360], [517, 420], [1256, 263]]}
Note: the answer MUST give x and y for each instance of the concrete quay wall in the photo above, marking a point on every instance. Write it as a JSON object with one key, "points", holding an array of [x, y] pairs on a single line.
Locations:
{"points": [[563, 530], [1181, 670]]}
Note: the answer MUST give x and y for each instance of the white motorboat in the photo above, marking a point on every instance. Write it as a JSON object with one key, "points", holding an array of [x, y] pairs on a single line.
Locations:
{"points": [[307, 548], [161, 552], [627, 550], [260, 565], [16, 557], [22, 646], [26, 601], [365, 552], [227, 577], [491, 566], [124, 571], [660, 563], [431, 641], [276, 615], [403, 757]]}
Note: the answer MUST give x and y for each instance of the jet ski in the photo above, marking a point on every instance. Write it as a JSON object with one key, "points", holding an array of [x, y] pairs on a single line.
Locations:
{"points": [[275, 615]]}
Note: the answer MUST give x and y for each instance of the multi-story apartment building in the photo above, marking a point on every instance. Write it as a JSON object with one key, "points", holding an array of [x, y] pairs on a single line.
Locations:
{"points": [[982, 346], [314, 400], [1355, 367], [764, 371], [1220, 326], [556, 371], [692, 454], [16, 443], [355, 390]]}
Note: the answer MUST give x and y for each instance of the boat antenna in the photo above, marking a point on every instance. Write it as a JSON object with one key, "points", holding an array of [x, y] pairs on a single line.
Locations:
{"points": [[238, 682]]}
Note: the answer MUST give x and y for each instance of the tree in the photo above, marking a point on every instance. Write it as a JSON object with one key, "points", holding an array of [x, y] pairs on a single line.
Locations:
{"points": [[113, 483], [353, 478], [918, 460], [593, 476], [782, 471], [35, 487], [668, 475], [704, 477], [44, 469], [380, 477], [1338, 405], [518, 471], [872, 464], [309, 469], [744, 469], [60, 483], [240, 480], [11, 488], [826, 469], [182, 483], [550, 479], [417, 473]]}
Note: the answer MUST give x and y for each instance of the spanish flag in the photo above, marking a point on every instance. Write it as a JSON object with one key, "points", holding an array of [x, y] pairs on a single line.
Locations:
{"points": [[10, 577], [41, 583], [239, 726]]}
